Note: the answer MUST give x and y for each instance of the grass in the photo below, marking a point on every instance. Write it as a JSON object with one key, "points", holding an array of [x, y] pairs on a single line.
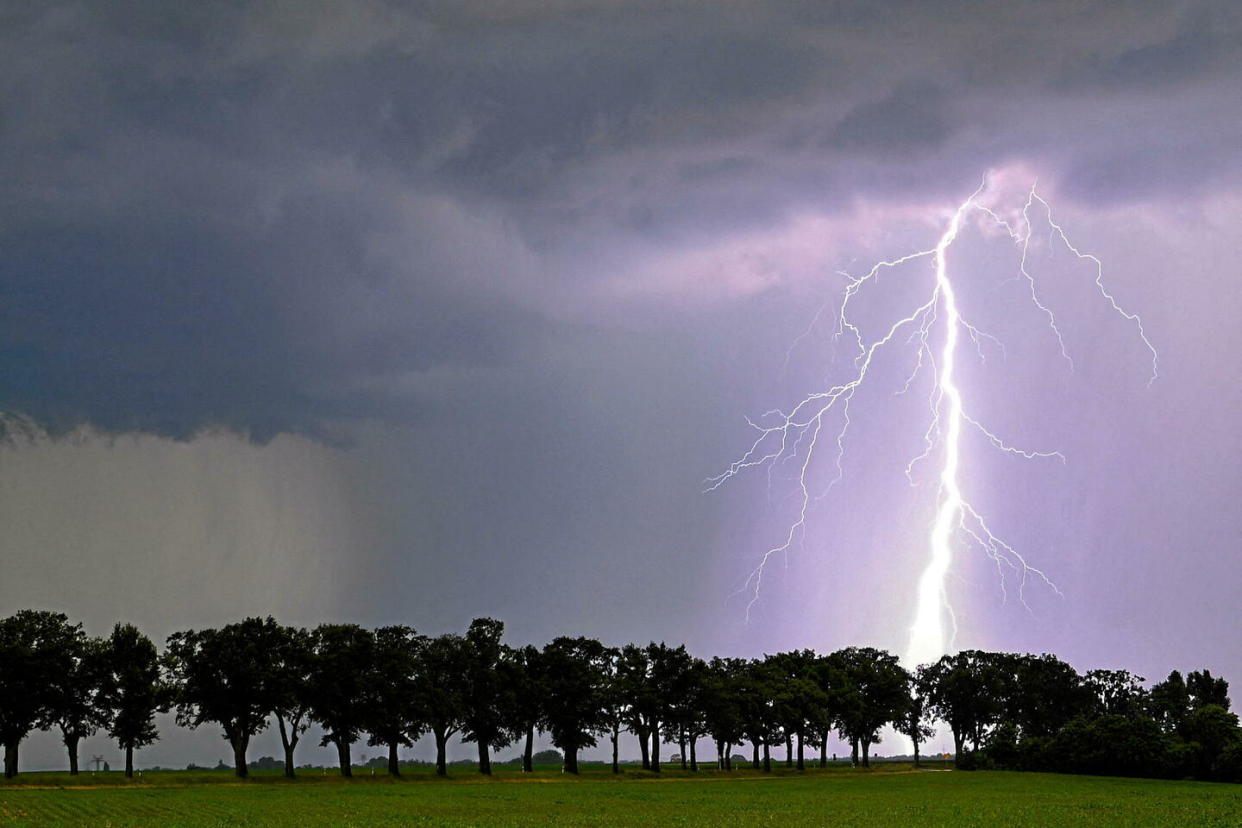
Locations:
{"points": [[888, 795]]}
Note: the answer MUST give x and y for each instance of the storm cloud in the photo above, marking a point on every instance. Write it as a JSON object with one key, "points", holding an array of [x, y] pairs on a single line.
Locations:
{"points": [[272, 217]]}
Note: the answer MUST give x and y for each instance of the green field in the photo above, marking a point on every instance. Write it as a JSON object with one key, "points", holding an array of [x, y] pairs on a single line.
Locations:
{"points": [[889, 795]]}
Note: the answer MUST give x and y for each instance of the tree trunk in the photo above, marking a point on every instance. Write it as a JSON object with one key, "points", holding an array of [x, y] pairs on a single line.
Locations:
{"points": [[288, 743], [915, 740], [441, 762], [342, 757], [866, 753], [854, 752], [767, 757], [394, 766], [681, 745], [71, 745], [754, 755], [571, 761], [788, 749], [645, 747], [239, 744], [129, 761], [720, 755], [10, 758], [728, 756], [616, 735], [485, 758], [655, 746], [528, 751], [957, 748], [801, 761], [694, 759], [823, 752]]}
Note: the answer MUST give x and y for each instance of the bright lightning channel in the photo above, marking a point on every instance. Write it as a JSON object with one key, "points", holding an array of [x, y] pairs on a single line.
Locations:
{"points": [[794, 435]]}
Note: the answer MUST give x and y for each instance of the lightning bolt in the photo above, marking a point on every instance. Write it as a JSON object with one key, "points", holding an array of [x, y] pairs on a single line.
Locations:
{"points": [[794, 435]]}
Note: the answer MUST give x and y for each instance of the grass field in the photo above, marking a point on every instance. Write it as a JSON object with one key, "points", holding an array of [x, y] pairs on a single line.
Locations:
{"points": [[889, 795]]}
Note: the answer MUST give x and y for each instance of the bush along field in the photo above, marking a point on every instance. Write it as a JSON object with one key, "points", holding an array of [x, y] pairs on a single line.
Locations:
{"points": [[888, 794]]}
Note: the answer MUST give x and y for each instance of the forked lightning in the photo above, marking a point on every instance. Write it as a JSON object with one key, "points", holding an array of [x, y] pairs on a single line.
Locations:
{"points": [[794, 435]]}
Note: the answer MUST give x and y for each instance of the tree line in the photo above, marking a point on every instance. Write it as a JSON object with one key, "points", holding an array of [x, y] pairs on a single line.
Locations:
{"points": [[391, 686]]}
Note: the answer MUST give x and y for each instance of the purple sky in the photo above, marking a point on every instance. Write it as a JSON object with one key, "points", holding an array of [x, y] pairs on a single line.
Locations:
{"points": [[389, 313]]}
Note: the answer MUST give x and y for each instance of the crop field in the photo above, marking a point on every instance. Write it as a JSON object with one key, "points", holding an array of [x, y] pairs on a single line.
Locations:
{"points": [[892, 795]]}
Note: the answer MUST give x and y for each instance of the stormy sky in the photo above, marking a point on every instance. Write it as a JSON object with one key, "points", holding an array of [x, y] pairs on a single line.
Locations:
{"points": [[406, 312]]}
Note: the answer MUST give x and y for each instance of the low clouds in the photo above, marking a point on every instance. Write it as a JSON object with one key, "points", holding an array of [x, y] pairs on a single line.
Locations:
{"points": [[173, 533], [239, 216]]}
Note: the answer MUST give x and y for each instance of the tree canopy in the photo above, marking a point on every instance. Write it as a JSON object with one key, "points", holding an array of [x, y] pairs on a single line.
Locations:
{"points": [[393, 686]]}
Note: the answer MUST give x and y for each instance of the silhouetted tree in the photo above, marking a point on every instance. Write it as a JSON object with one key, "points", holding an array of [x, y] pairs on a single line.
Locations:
{"points": [[344, 654], [1205, 690], [38, 650], [1042, 694], [483, 703], [438, 691], [915, 720], [133, 690], [1169, 703], [755, 687], [685, 709], [521, 673], [632, 680], [293, 663], [963, 693], [227, 677], [76, 704], [1116, 692], [667, 674], [877, 694], [836, 693], [574, 681], [614, 703], [797, 699], [391, 712], [721, 705]]}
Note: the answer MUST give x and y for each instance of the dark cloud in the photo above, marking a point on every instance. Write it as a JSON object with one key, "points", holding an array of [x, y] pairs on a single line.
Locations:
{"points": [[1184, 166], [263, 215], [913, 118], [1190, 52]]}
